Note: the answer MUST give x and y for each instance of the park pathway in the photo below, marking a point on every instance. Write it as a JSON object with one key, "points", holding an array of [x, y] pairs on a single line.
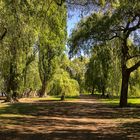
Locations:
{"points": [[86, 118]]}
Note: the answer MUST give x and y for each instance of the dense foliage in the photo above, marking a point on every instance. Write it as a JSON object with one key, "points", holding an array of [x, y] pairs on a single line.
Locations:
{"points": [[116, 20], [104, 48]]}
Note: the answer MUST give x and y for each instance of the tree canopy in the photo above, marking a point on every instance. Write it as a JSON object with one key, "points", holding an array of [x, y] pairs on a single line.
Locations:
{"points": [[120, 21], [103, 48]]}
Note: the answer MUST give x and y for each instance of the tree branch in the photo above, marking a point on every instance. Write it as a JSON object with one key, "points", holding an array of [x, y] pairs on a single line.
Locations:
{"points": [[115, 36], [60, 3], [134, 67], [128, 24], [3, 35], [137, 55], [128, 29]]}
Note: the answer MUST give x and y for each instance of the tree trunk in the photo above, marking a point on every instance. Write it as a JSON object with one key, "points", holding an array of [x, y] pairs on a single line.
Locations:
{"points": [[92, 92], [125, 74], [2, 94], [15, 96], [12, 98], [103, 91], [124, 88], [63, 97], [8, 99], [43, 89]]}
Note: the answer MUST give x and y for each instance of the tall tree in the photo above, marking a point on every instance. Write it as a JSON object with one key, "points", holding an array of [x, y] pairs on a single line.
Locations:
{"points": [[14, 18], [77, 69], [117, 21], [51, 43], [20, 23], [97, 73]]}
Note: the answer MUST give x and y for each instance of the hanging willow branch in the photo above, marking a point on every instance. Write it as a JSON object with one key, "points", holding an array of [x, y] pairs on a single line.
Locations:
{"points": [[59, 3], [3, 35]]}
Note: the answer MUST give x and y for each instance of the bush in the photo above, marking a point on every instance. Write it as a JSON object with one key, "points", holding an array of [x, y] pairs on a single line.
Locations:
{"points": [[62, 84]]}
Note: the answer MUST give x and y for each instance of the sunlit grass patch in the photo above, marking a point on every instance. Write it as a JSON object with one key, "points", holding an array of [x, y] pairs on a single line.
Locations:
{"points": [[134, 101], [52, 98], [21, 108], [115, 101], [46, 98], [15, 115], [110, 101]]}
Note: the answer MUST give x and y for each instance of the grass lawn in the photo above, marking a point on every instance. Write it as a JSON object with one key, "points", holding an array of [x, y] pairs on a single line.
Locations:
{"points": [[29, 105], [115, 101]]}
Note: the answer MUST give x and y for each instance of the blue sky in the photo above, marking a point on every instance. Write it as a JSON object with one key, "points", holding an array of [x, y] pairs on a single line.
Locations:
{"points": [[73, 18], [72, 21]]}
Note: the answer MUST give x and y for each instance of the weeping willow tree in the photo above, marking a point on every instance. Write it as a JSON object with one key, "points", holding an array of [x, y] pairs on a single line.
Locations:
{"points": [[15, 45], [117, 20], [51, 43], [97, 74], [21, 25], [63, 85]]}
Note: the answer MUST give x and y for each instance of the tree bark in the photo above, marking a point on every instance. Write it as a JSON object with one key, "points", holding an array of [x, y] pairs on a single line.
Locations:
{"points": [[125, 57], [125, 75], [92, 92], [124, 88], [43, 89], [103, 91], [15, 96], [12, 98], [8, 99], [62, 97]]}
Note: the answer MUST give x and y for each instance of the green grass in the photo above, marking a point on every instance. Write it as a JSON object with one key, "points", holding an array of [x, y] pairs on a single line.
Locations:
{"points": [[54, 98], [115, 101], [134, 101], [18, 108], [29, 108], [67, 98]]}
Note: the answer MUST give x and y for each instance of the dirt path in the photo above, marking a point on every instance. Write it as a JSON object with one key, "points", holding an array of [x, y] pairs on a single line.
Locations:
{"points": [[83, 119]]}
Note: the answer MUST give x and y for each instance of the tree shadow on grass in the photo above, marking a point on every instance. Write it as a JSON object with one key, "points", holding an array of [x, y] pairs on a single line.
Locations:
{"points": [[55, 120], [126, 131], [63, 135], [56, 129], [70, 110], [132, 129]]}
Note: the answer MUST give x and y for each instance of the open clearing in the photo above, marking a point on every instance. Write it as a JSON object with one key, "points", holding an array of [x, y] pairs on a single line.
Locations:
{"points": [[80, 119]]}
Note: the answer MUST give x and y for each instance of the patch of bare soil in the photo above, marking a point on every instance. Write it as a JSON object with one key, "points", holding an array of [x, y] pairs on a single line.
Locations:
{"points": [[83, 119]]}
